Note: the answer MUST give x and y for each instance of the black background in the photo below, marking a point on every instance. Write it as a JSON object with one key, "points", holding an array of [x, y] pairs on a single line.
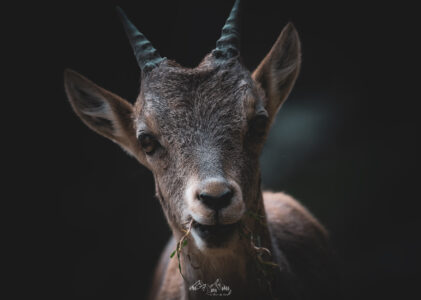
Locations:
{"points": [[344, 143]]}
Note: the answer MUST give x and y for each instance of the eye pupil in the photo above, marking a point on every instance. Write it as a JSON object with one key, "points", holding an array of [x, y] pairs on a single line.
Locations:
{"points": [[260, 121], [258, 126], [148, 143]]}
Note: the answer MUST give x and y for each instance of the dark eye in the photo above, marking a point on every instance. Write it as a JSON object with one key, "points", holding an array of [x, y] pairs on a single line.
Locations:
{"points": [[148, 143], [258, 125]]}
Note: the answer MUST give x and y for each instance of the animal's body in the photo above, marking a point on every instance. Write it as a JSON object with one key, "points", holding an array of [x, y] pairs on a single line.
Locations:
{"points": [[200, 131], [300, 246]]}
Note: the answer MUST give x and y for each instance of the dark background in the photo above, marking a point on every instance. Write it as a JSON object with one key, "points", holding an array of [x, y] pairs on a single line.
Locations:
{"points": [[344, 144]]}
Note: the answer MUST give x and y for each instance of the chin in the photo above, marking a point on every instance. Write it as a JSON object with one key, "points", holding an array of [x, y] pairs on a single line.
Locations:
{"points": [[214, 237]]}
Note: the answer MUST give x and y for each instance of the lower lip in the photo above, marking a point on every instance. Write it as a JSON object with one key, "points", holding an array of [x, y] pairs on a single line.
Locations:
{"points": [[215, 235]]}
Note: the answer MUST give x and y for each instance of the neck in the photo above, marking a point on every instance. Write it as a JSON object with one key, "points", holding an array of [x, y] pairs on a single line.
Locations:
{"points": [[241, 265]]}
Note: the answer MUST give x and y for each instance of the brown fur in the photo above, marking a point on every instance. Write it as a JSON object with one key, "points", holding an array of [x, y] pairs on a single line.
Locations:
{"points": [[298, 235], [211, 122]]}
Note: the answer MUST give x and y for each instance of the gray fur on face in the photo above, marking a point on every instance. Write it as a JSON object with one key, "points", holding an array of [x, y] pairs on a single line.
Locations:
{"points": [[201, 119]]}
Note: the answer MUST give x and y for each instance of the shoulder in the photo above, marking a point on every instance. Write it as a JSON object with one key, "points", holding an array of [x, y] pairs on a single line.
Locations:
{"points": [[290, 221], [302, 243]]}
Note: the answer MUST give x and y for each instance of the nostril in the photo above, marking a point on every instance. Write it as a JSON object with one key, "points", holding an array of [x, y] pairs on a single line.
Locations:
{"points": [[216, 202]]}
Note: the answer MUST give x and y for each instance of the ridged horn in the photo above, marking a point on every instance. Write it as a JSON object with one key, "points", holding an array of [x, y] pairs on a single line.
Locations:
{"points": [[146, 55], [228, 44]]}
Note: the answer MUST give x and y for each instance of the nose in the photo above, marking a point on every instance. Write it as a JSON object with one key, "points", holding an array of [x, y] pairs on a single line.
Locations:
{"points": [[215, 194]]}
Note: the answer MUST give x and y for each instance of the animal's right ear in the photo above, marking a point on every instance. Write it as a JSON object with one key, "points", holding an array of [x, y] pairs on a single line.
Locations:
{"points": [[102, 111]]}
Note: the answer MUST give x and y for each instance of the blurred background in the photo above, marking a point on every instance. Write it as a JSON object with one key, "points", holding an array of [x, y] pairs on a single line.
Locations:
{"points": [[344, 144]]}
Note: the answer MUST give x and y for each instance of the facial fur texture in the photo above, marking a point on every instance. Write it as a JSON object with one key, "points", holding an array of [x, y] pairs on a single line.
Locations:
{"points": [[201, 118]]}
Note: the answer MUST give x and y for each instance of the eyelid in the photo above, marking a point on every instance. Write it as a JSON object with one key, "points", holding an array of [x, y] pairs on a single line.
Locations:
{"points": [[142, 128], [141, 132], [145, 132], [262, 113]]}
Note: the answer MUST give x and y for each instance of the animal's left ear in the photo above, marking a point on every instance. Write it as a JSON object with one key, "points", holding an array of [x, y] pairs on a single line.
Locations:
{"points": [[279, 69]]}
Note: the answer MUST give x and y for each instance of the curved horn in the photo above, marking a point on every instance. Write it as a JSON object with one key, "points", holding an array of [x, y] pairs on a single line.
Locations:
{"points": [[146, 55], [228, 44]]}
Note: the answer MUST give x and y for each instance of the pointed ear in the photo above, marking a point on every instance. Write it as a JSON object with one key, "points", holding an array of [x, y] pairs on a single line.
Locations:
{"points": [[101, 110], [279, 69]]}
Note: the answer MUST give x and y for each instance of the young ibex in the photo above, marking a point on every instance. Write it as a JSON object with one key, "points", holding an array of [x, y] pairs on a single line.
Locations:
{"points": [[200, 131]]}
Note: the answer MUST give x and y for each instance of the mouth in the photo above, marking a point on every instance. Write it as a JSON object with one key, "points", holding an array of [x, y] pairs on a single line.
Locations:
{"points": [[215, 235]]}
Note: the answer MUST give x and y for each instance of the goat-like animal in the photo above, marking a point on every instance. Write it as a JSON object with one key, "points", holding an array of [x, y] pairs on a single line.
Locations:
{"points": [[201, 131]]}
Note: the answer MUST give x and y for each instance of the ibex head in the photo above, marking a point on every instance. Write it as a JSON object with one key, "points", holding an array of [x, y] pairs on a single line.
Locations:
{"points": [[200, 131]]}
